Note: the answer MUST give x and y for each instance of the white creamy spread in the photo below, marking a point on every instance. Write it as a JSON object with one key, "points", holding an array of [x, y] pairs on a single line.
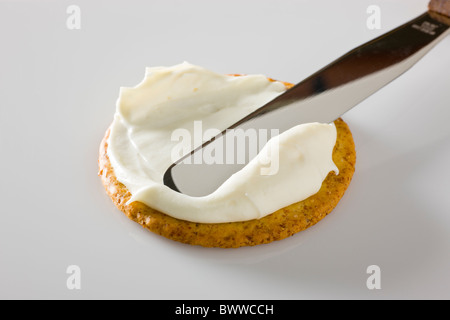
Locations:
{"points": [[169, 98]]}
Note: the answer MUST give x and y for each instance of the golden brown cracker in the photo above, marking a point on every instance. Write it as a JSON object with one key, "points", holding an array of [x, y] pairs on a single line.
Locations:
{"points": [[276, 226]]}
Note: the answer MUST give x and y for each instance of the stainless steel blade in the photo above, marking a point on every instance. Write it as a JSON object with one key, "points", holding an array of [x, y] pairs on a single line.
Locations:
{"points": [[322, 97]]}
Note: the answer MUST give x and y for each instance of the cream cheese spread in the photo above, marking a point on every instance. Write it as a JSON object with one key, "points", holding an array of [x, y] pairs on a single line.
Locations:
{"points": [[140, 144]]}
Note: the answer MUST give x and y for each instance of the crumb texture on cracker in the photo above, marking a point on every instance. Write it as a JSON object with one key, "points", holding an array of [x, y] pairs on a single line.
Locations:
{"points": [[278, 225]]}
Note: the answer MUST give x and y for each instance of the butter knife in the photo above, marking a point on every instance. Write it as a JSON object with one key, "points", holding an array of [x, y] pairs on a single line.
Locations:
{"points": [[322, 97]]}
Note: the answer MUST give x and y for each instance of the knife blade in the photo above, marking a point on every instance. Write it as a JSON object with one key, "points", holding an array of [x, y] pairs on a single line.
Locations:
{"points": [[322, 97]]}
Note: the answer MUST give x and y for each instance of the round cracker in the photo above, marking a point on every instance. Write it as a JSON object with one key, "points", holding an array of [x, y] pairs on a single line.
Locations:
{"points": [[276, 226]]}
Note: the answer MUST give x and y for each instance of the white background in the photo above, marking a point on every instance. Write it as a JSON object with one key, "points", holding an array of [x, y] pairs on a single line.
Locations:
{"points": [[58, 89]]}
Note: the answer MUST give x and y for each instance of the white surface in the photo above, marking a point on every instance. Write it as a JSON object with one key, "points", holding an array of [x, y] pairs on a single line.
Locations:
{"points": [[58, 92]]}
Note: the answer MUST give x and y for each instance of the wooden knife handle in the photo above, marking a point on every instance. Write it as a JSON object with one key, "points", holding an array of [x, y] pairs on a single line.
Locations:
{"points": [[440, 6], [440, 10]]}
